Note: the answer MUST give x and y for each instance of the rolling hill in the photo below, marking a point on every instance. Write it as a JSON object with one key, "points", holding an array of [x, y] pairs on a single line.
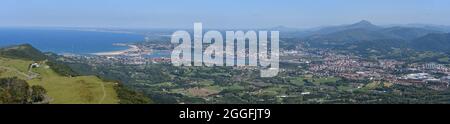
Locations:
{"points": [[24, 51], [364, 24], [433, 42], [408, 33], [15, 62], [366, 31]]}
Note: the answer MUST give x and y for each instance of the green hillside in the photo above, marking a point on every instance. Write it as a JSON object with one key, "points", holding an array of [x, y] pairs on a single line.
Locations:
{"points": [[365, 31], [61, 89], [433, 42], [17, 91], [15, 62], [25, 51]]}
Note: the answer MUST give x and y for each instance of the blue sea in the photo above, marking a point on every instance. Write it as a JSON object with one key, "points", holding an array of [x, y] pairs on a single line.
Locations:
{"points": [[66, 41]]}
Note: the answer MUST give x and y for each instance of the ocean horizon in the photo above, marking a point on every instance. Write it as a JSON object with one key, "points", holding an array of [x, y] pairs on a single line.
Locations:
{"points": [[62, 41]]}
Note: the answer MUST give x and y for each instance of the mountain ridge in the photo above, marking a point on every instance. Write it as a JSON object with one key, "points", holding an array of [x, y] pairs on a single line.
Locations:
{"points": [[22, 51], [437, 42], [366, 31]]}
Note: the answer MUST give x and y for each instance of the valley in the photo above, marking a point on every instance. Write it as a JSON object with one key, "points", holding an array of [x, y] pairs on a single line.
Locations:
{"points": [[355, 63]]}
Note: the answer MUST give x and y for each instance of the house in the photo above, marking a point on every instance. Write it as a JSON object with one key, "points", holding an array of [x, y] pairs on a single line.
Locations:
{"points": [[33, 65]]}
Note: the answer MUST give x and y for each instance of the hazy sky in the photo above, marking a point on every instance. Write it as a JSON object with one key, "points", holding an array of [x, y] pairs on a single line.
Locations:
{"points": [[219, 13]]}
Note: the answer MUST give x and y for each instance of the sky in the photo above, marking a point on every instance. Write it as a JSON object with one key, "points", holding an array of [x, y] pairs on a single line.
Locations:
{"points": [[219, 13]]}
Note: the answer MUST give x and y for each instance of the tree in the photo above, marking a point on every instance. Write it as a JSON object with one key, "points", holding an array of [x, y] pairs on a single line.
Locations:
{"points": [[38, 94], [17, 91]]}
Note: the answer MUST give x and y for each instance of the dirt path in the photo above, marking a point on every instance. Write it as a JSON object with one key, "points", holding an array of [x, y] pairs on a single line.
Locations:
{"points": [[33, 75], [104, 93], [29, 77]]}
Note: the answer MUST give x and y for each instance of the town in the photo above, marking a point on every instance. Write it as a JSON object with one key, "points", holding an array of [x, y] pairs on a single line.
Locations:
{"points": [[321, 63]]}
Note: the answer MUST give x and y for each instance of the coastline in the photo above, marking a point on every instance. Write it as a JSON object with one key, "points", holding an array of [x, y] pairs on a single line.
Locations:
{"points": [[132, 48]]}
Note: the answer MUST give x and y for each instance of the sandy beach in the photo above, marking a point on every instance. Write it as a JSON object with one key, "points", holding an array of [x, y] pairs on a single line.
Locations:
{"points": [[133, 48]]}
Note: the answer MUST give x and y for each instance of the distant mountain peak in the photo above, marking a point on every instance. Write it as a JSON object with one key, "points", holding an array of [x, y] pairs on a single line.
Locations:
{"points": [[363, 23]]}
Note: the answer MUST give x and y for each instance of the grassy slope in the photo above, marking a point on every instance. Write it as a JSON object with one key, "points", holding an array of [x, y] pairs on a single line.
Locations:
{"points": [[63, 90]]}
